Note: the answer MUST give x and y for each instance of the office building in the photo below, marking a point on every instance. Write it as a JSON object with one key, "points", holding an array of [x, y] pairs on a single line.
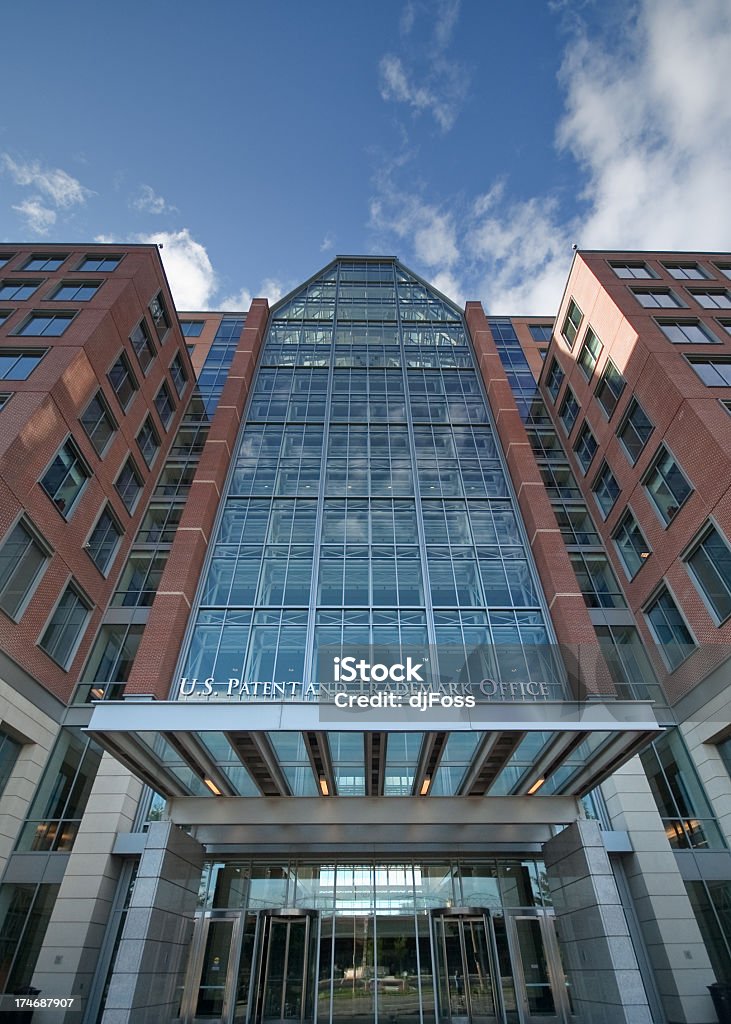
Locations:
{"points": [[512, 804]]}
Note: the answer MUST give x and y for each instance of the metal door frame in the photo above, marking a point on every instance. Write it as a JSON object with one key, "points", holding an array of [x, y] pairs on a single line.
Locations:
{"points": [[462, 915], [260, 971], [556, 975], [195, 970]]}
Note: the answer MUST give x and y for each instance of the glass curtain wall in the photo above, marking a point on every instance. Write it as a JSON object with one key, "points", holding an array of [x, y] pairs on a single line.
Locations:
{"points": [[368, 502]]}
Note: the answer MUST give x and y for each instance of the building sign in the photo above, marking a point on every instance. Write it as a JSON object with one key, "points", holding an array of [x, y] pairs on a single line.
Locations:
{"points": [[400, 677]]}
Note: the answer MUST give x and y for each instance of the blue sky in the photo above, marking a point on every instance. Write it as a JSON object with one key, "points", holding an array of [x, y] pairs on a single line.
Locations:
{"points": [[476, 141]]}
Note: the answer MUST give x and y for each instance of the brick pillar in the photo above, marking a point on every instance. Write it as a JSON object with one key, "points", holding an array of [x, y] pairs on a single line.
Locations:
{"points": [[600, 961], [569, 614], [149, 969], [160, 644]]}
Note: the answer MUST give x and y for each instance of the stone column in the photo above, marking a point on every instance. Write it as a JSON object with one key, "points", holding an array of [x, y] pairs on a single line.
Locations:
{"points": [[599, 958], [68, 957], [673, 940], [153, 954]]}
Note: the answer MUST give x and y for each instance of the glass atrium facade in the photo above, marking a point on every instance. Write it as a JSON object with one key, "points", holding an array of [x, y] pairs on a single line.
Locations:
{"points": [[368, 502]]}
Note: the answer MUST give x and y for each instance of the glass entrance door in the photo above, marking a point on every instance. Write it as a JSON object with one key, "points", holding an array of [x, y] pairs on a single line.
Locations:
{"points": [[215, 959], [464, 967], [286, 967], [540, 987]]}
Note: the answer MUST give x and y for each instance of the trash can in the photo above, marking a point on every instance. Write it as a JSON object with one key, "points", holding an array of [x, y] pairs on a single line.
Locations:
{"points": [[721, 996], [22, 1015]]}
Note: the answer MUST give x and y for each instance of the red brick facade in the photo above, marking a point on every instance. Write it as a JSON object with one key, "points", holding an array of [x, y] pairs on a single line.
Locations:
{"points": [[687, 417], [44, 410]]}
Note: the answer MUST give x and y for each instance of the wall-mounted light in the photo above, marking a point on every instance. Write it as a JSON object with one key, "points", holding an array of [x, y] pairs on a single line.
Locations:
{"points": [[536, 786], [212, 786], [425, 786], [324, 788]]}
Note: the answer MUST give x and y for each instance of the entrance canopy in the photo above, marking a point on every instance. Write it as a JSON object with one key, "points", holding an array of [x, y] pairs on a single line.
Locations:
{"points": [[303, 750]]}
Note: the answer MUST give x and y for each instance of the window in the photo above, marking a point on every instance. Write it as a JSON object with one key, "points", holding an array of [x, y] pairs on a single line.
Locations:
{"points": [[628, 662], [597, 582], [123, 381], [76, 291], [632, 270], [576, 525], [23, 558], [164, 405], [585, 447], [610, 388], [129, 484], [571, 324], [5, 258], [569, 410], [140, 579], [686, 271], [715, 373], [61, 797], [9, 750], [669, 629], [18, 290], [98, 423], [554, 379], [687, 332], [179, 375], [159, 316], [63, 633], [44, 261], [559, 482], [99, 264], [651, 297], [635, 431], [709, 563], [66, 478], [19, 364], [142, 344], [713, 298], [5, 314], [666, 485], [589, 353], [148, 441], [683, 805], [726, 403], [104, 540], [5, 397], [725, 268], [606, 489], [631, 544], [194, 328], [51, 325]]}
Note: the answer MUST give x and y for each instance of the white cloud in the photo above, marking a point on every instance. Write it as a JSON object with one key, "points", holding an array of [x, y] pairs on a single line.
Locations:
{"points": [[408, 17], [445, 22], [270, 289], [439, 86], [645, 121], [648, 129], [237, 301], [327, 243], [55, 184], [431, 232], [192, 278], [147, 201], [188, 267], [442, 101], [39, 219]]}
